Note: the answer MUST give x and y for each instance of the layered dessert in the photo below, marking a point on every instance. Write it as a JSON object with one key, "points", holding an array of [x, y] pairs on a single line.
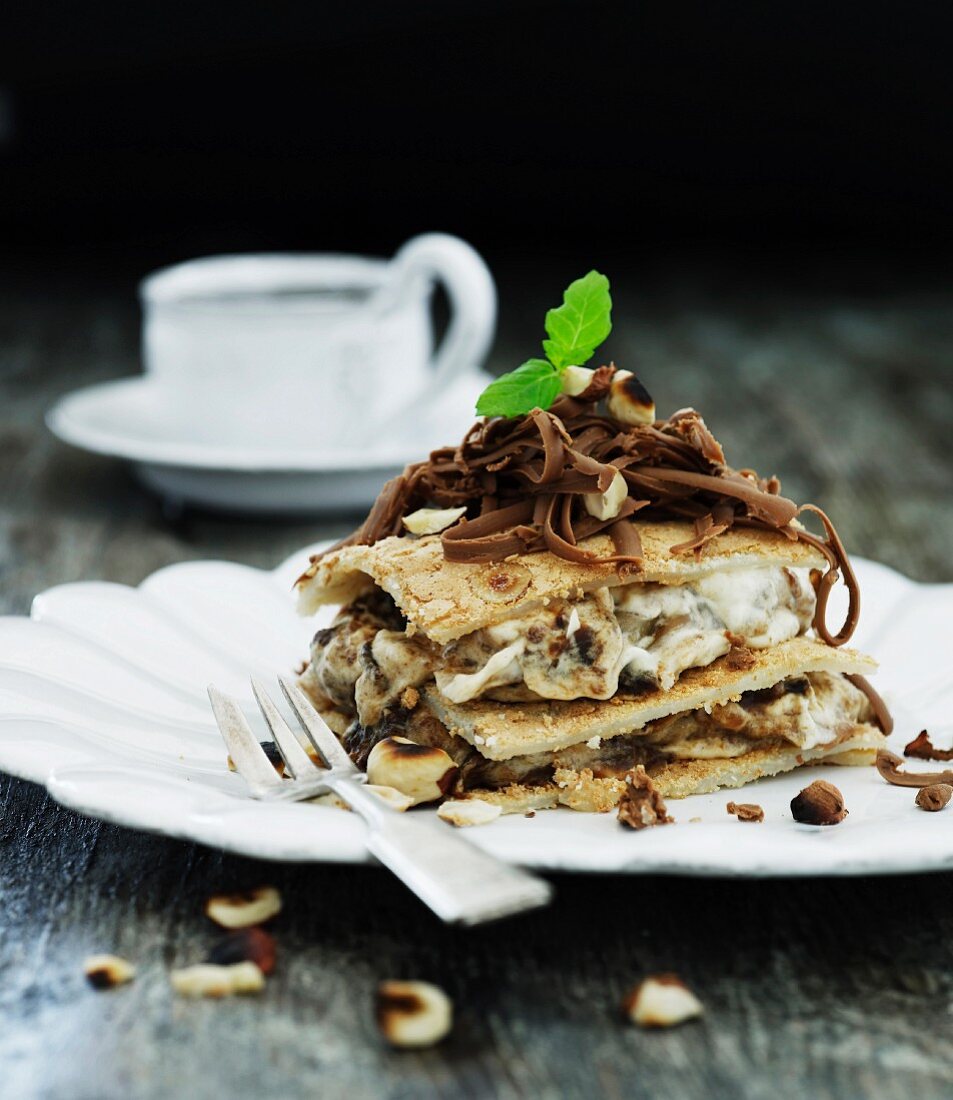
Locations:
{"points": [[578, 589]]}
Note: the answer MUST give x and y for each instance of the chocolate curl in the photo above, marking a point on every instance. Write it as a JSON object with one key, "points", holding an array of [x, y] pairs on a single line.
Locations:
{"points": [[523, 481], [882, 715], [833, 549], [490, 537]]}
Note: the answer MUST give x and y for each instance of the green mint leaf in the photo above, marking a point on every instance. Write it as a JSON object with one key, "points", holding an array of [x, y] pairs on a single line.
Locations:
{"points": [[535, 384], [581, 323]]}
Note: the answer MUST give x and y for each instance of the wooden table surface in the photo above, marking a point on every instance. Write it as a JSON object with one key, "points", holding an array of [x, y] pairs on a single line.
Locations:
{"points": [[828, 988]]}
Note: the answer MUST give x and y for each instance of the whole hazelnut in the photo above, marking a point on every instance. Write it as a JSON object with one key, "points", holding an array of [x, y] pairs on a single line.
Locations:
{"points": [[934, 797], [819, 804]]}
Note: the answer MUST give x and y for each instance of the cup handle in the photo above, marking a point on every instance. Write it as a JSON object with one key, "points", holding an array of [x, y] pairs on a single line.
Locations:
{"points": [[472, 294]]}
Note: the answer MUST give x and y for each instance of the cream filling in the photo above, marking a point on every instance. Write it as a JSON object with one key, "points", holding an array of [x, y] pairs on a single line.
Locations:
{"points": [[814, 710], [633, 637], [646, 634], [502, 668]]}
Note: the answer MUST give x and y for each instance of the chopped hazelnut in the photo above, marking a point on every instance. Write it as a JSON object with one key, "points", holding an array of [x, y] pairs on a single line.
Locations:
{"points": [[394, 798], [270, 749], [607, 505], [629, 401], [242, 910], [469, 811], [430, 521], [740, 657], [819, 804], [209, 980], [413, 1014], [576, 380], [934, 797], [245, 945], [425, 772], [641, 805], [746, 811], [662, 1000], [107, 971]]}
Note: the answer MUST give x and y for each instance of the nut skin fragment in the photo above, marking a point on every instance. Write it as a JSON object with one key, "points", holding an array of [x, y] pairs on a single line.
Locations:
{"points": [[241, 910], [245, 945], [934, 797], [107, 971], [208, 980], [746, 811], [923, 748], [819, 804], [662, 1000], [641, 805], [471, 811], [412, 1015], [424, 772]]}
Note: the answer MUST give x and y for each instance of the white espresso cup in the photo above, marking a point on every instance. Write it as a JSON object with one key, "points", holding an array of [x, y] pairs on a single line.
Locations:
{"points": [[343, 343]]}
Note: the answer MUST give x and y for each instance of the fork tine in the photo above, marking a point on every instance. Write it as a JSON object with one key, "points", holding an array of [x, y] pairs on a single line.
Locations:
{"points": [[298, 761], [248, 756], [316, 728]]}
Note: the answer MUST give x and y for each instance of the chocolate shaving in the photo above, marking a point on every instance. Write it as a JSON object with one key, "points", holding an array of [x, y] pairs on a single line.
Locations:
{"points": [[522, 482], [882, 716], [889, 765], [923, 749]]}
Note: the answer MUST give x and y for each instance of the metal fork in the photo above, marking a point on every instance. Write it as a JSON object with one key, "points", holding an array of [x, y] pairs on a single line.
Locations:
{"points": [[459, 882]]}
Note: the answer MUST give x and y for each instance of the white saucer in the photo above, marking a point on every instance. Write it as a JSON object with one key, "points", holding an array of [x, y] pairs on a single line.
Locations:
{"points": [[234, 457]]}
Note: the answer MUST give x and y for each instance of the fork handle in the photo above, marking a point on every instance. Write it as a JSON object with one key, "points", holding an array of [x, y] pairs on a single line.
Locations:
{"points": [[461, 883]]}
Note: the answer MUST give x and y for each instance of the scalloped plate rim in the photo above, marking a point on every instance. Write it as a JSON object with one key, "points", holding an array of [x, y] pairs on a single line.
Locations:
{"points": [[749, 853]]}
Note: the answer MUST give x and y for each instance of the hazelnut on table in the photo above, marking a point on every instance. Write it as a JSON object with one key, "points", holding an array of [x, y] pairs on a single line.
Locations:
{"points": [[107, 971], [413, 1014], [662, 1000], [241, 910]]}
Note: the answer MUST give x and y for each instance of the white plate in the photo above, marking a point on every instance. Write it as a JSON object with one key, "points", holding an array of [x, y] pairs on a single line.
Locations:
{"points": [[234, 456], [102, 699]]}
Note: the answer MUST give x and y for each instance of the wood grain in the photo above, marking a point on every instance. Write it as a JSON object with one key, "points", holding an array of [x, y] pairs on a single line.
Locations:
{"points": [[835, 989]]}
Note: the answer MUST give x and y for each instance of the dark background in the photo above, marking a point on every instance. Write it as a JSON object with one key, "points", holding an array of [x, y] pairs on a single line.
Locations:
{"points": [[161, 131]]}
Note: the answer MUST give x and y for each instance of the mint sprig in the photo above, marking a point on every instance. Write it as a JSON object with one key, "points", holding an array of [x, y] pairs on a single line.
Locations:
{"points": [[535, 384], [575, 330]]}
